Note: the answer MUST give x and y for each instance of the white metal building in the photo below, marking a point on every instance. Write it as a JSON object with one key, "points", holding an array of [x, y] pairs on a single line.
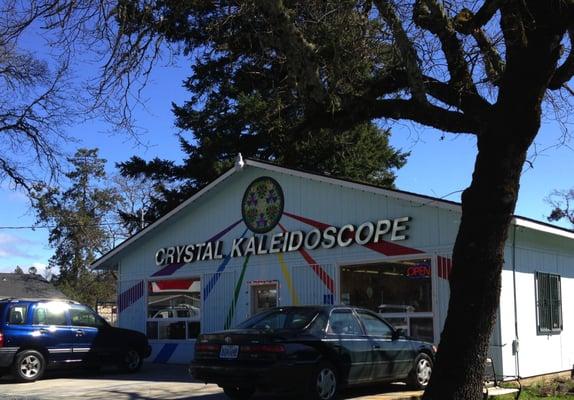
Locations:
{"points": [[263, 235]]}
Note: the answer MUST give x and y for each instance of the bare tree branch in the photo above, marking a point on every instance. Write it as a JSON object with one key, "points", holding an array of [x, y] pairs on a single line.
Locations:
{"points": [[565, 72], [361, 110], [430, 15], [406, 49], [466, 21], [298, 51]]}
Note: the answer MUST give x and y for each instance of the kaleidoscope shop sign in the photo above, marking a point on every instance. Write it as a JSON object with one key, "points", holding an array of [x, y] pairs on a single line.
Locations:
{"points": [[262, 204]]}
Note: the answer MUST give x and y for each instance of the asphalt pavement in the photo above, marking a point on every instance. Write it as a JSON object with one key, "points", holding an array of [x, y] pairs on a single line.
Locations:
{"points": [[153, 382]]}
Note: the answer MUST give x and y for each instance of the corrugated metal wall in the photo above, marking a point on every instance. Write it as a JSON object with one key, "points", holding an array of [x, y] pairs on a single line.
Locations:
{"points": [[316, 284], [218, 301]]}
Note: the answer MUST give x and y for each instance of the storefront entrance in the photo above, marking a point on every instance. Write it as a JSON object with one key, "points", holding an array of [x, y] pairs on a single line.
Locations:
{"points": [[401, 291], [263, 296]]}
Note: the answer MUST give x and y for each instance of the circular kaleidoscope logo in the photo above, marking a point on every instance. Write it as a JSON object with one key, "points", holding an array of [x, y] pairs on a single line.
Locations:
{"points": [[262, 204]]}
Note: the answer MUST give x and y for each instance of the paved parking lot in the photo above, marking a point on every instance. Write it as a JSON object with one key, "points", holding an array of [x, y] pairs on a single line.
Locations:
{"points": [[155, 381]]}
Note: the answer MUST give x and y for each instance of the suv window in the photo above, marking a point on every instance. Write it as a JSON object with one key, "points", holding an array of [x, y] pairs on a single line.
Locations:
{"points": [[17, 314], [84, 316], [343, 322], [374, 326], [45, 314]]}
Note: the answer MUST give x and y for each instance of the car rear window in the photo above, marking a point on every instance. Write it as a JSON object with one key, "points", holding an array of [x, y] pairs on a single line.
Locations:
{"points": [[281, 319], [2, 307]]}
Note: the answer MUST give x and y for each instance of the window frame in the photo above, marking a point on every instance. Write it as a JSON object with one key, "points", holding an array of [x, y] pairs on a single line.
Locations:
{"points": [[44, 305], [24, 317], [345, 335], [392, 330], [545, 330]]}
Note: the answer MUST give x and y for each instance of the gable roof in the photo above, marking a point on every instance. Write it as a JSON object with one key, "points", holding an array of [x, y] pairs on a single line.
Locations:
{"points": [[425, 200], [27, 286]]}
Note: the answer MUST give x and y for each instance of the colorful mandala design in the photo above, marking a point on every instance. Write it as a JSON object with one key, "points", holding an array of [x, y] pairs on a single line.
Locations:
{"points": [[262, 204]]}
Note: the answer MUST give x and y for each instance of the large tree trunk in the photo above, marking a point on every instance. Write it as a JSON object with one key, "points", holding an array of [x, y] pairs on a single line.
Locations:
{"points": [[487, 209]]}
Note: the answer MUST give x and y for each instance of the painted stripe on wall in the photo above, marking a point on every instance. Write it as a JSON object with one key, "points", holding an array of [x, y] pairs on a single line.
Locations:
{"points": [[165, 353], [444, 267], [172, 268], [213, 281], [384, 247], [324, 276], [231, 312], [130, 296], [288, 279]]}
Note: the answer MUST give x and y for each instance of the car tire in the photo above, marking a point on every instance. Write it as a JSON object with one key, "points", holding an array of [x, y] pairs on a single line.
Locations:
{"points": [[419, 376], [324, 383], [238, 392], [29, 366], [132, 361]]}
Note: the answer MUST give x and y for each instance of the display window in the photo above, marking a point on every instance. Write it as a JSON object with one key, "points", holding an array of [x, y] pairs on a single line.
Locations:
{"points": [[174, 309], [264, 295], [401, 291]]}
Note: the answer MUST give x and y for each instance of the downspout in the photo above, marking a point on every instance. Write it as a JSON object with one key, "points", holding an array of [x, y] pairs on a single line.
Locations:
{"points": [[515, 342]]}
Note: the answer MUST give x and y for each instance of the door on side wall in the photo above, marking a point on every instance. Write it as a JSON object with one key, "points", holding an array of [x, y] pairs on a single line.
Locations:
{"points": [[264, 296]]}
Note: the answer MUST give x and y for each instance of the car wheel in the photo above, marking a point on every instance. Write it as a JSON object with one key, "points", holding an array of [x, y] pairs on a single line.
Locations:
{"points": [[131, 361], [324, 385], [29, 365], [420, 374], [238, 392]]}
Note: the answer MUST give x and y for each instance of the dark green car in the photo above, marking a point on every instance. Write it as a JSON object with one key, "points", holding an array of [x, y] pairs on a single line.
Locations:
{"points": [[314, 350]]}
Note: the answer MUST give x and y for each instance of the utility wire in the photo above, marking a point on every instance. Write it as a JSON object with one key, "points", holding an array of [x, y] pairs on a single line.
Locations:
{"points": [[34, 227]]}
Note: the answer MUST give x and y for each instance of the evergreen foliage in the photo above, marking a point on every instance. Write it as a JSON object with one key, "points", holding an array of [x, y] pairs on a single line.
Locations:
{"points": [[79, 220], [245, 100]]}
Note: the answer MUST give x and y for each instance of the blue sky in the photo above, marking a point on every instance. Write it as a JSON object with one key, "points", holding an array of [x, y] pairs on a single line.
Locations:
{"points": [[438, 166]]}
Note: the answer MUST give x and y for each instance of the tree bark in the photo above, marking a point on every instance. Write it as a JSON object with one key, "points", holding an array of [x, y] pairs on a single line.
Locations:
{"points": [[487, 209]]}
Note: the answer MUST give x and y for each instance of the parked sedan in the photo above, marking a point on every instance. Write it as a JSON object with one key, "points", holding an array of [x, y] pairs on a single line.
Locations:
{"points": [[314, 350]]}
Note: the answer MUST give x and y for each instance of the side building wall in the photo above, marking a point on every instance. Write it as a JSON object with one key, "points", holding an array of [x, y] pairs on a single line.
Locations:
{"points": [[538, 353]]}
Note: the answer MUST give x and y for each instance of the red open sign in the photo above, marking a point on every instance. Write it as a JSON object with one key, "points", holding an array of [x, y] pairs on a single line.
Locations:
{"points": [[419, 271]]}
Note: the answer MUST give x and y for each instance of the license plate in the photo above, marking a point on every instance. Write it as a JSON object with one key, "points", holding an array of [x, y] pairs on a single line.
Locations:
{"points": [[229, 351]]}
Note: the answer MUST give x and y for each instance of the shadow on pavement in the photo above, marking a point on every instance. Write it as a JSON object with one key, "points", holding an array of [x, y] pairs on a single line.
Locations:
{"points": [[149, 373]]}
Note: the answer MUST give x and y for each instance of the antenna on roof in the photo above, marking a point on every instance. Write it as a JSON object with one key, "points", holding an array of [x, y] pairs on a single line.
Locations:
{"points": [[239, 163]]}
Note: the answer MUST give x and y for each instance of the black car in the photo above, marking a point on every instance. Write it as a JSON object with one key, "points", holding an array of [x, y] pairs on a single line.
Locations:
{"points": [[313, 349], [37, 334]]}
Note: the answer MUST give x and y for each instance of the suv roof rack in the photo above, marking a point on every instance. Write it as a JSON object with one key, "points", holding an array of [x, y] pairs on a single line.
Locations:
{"points": [[7, 299]]}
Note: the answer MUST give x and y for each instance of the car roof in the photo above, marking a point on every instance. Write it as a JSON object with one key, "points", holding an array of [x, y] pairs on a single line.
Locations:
{"points": [[35, 300]]}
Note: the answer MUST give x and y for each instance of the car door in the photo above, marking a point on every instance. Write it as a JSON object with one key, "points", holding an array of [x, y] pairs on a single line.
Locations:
{"points": [[347, 337], [50, 330], [392, 357], [88, 329]]}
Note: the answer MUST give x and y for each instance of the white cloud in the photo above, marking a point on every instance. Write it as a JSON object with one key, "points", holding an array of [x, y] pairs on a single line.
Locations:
{"points": [[15, 246]]}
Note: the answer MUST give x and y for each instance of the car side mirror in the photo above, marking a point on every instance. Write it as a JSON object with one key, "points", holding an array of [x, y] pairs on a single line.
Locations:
{"points": [[398, 333]]}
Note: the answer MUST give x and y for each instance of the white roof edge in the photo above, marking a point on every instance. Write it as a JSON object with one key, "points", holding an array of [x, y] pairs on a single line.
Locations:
{"points": [[170, 214], [542, 227], [423, 200]]}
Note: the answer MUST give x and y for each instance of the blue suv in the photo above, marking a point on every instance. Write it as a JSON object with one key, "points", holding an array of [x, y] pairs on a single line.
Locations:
{"points": [[38, 334]]}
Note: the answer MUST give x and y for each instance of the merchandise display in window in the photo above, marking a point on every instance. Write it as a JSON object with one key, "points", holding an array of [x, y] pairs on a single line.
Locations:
{"points": [[400, 291], [174, 309]]}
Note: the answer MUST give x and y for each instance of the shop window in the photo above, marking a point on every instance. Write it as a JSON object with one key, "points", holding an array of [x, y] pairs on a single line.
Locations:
{"points": [[174, 309], [549, 303], [399, 291]]}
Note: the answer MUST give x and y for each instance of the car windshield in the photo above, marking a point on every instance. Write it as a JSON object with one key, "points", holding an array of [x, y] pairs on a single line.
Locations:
{"points": [[281, 319]]}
